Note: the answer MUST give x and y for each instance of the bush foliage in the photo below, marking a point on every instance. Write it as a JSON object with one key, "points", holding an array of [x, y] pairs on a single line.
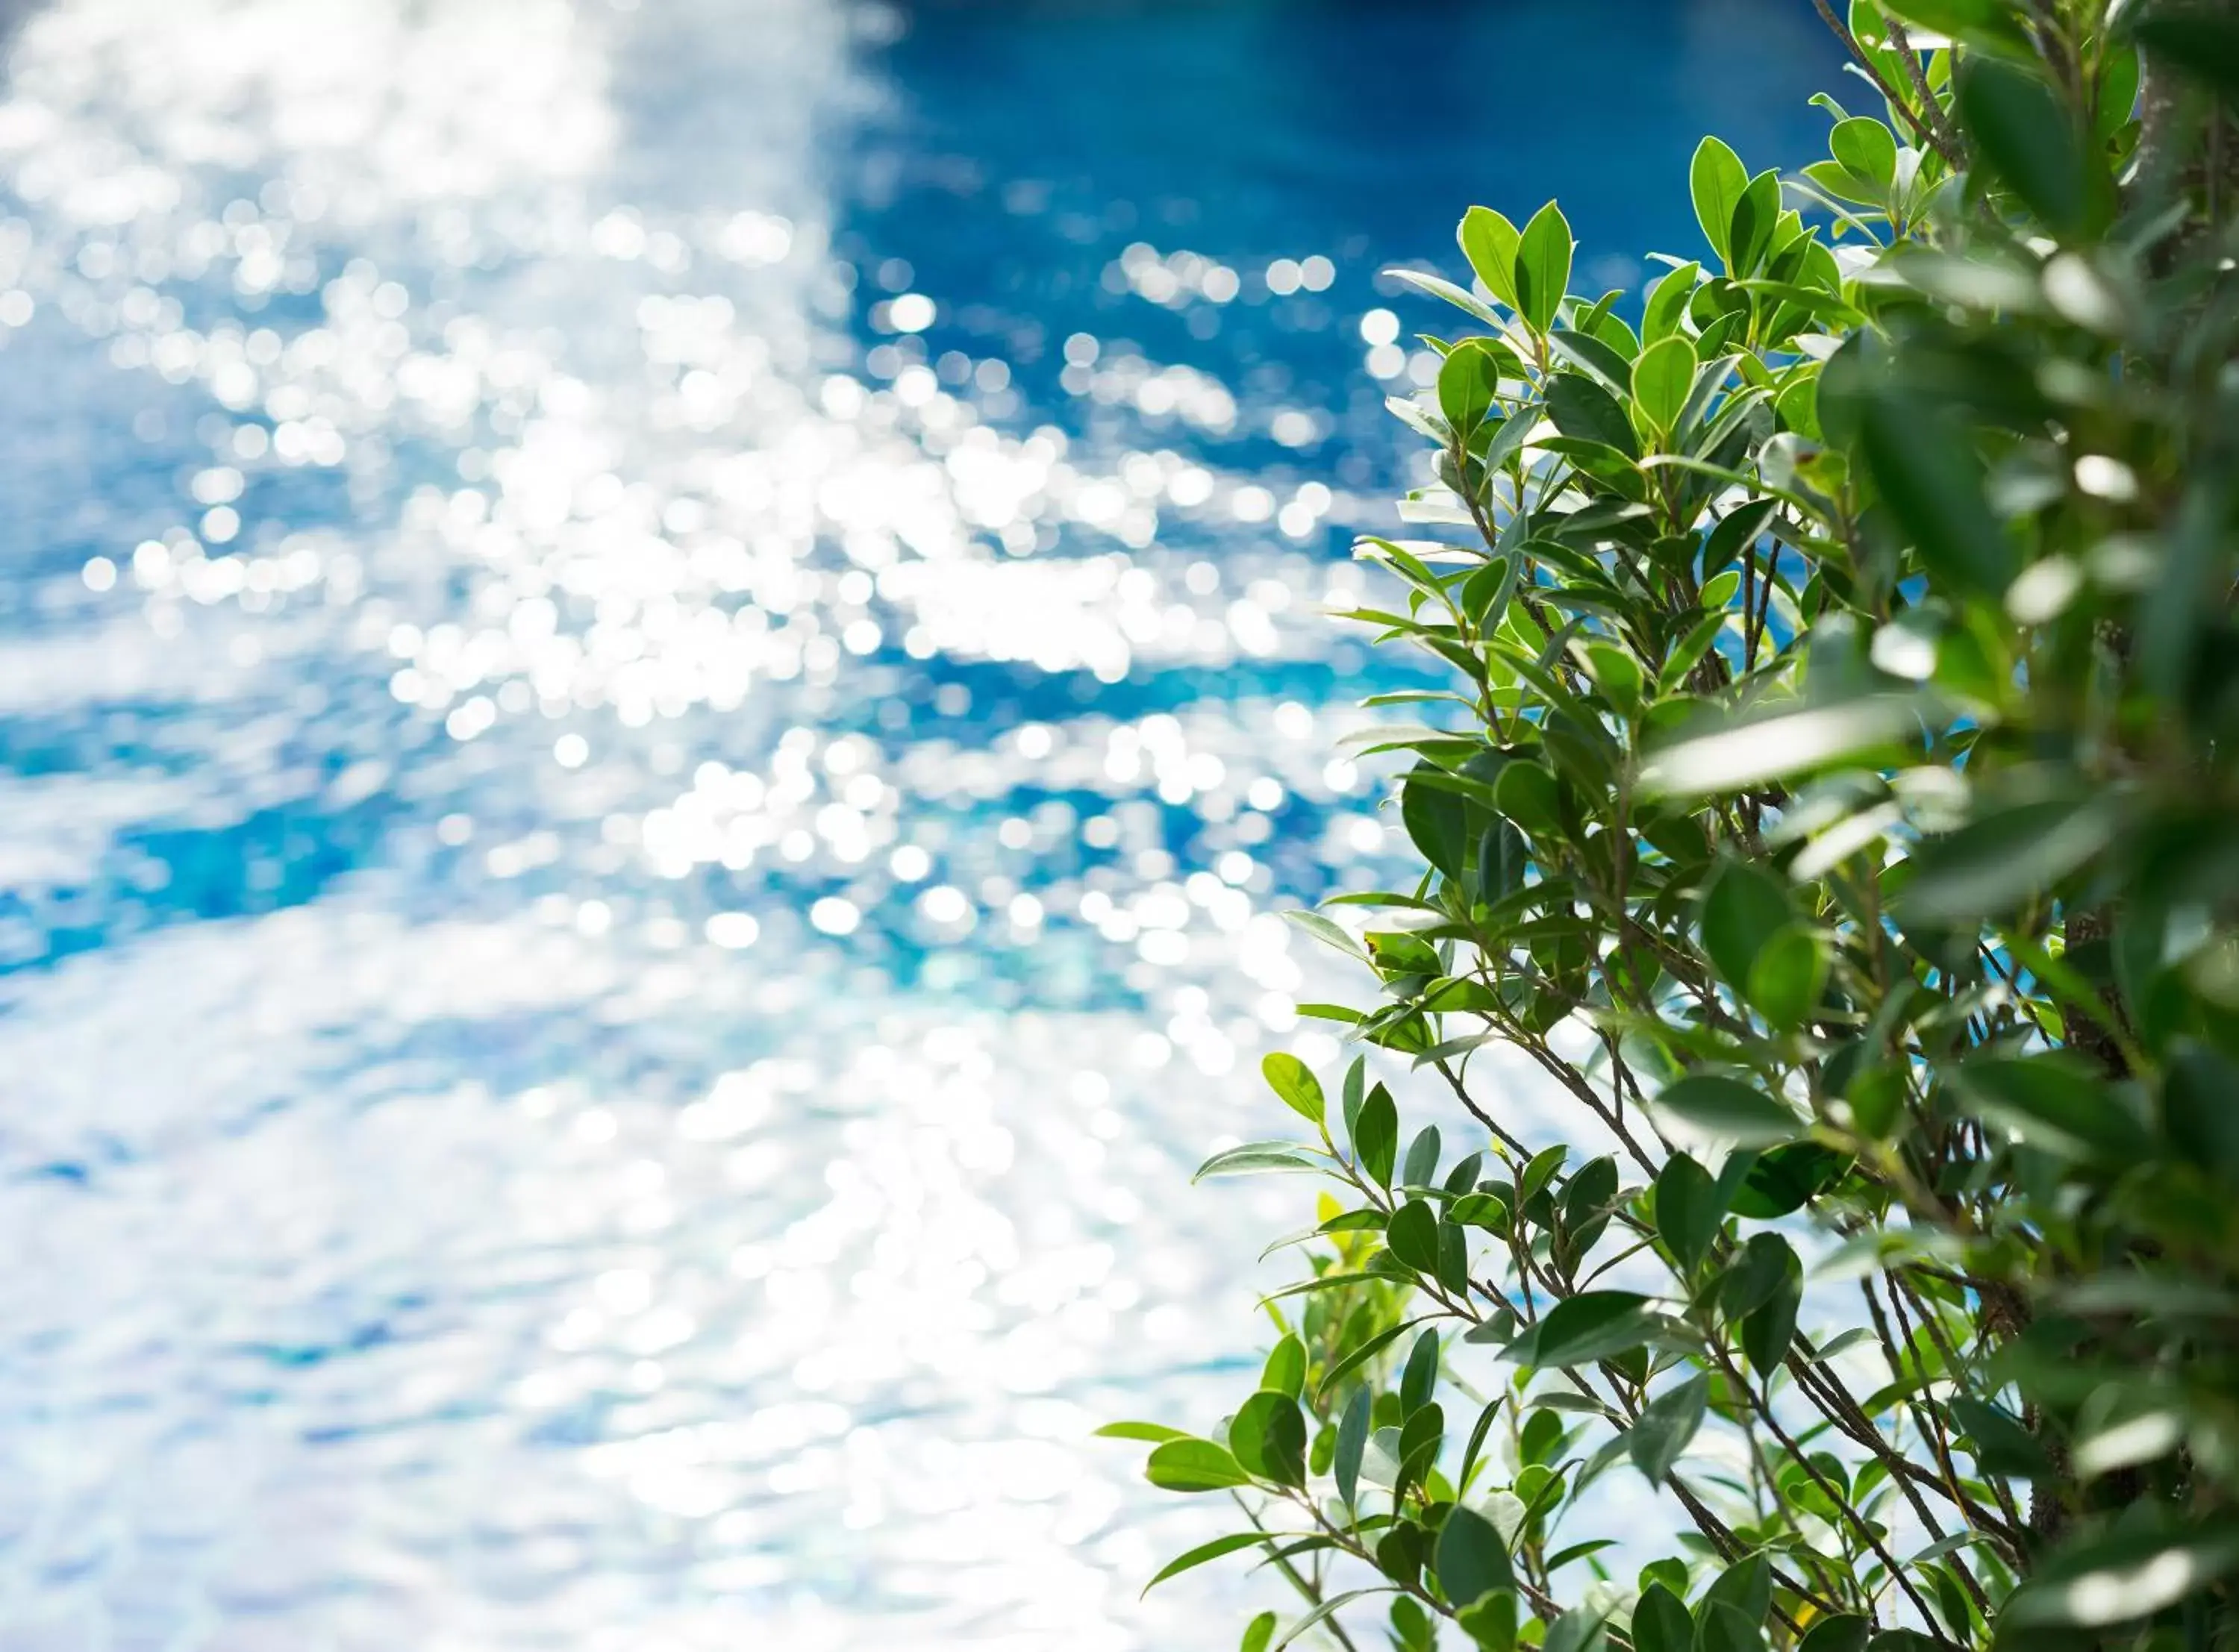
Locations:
{"points": [[1832, 796]]}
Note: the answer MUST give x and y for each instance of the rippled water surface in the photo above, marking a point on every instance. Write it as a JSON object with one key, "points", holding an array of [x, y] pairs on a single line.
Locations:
{"points": [[659, 673]]}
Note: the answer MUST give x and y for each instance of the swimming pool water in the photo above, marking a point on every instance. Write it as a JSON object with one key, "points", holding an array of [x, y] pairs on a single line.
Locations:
{"points": [[661, 671]]}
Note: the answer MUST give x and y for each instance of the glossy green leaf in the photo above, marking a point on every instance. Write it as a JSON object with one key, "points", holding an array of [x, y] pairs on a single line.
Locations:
{"points": [[1543, 267], [1469, 384], [1661, 1621], [1376, 1135], [1843, 1633], [1352, 1442], [1490, 241], [1421, 1167], [1579, 1330], [1420, 1375], [1866, 148], [1268, 1438], [1285, 1371], [1688, 1209], [1413, 1236], [1193, 1465], [1662, 378], [1717, 179], [1293, 1080], [1258, 1634]]}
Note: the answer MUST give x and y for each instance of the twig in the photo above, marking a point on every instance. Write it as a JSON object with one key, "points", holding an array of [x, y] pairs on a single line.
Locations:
{"points": [[1922, 129], [1950, 148]]}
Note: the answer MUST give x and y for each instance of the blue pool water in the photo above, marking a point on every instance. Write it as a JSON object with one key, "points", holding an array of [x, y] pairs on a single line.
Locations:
{"points": [[659, 673]]}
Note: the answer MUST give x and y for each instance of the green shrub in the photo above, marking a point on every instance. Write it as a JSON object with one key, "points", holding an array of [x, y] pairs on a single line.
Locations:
{"points": [[1833, 797]]}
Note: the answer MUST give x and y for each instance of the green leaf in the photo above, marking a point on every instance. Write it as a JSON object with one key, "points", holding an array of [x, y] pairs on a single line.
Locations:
{"points": [[1755, 750], [1744, 908], [1293, 1080], [1204, 1552], [1993, 863], [2024, 134], [1193, 1465], [1360, 1357], [2051, 1102], [2002, 1445], [1688, 1210], [1756, 1276], [1157, 1433], [1376, 1135], [1489, 242], [1787, 977], [1258, 1157], [1469, 387], [1321, 1613], [1594, 1324], [1257, 1633], [1783, 1180], [1268, 1438], [1352, 1439], [1844, 1634], [1436, 820], [1867, 148], [1413, 1236], [1772, 1327], [1756, 215], [1543, 267], [1717, 179], [1662, 378], [1723, 1627], [1422, 1161], [1285, 1371], [1667, 302], [1727, 1110], [1925, 467], [2202, 46], [1982, 22], [1581, 407], [1472, 1561], [1661, 1621], [1666, 1426], [1420, 1375], [2127, 1576]]}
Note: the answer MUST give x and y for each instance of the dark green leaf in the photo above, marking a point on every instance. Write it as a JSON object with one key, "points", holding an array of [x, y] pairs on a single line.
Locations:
{"points": [[2002, 1445], [1351, 1441], [1992, 864], [1768, 1331], [1592, 1325], [1436, 820], [1413, 1236], [1928, 477], [1666, 1425], [1844, 1633], [1746, 906], [1420, 1375], [1730, 1110], [1784, 1179], [2025, 135], [1376, 1135], [1661, 1621], [2052, 1103], [1268, 1438], [1472, 1561], [1687, 1210], [1753, 1277], [1581, 407], [1422, 1163]]}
